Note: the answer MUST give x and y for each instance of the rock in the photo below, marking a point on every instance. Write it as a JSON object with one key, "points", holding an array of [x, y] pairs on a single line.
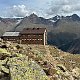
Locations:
{"points": [[3, 46], [4, 70], [18, 46], [3, 56], [61, 67], [3, 50], [14, 48], [52, 71], [76, 72], [8, 44], [20, 69]]}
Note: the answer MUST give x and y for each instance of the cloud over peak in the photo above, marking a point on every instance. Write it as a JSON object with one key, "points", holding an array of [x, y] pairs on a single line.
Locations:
{"points": [[20, 11]]}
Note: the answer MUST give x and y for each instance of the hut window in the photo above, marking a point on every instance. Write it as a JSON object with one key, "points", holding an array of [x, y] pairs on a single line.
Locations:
{"points": [[23, 35], [35, 39], [34, 35], [29, 39], [40, 39], [39, 35], [28, 35], [24, 39]]}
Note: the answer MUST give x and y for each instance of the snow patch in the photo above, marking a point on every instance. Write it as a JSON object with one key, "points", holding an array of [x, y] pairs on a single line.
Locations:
{"points": [[53, 20], [18, 21], [58, 17]]}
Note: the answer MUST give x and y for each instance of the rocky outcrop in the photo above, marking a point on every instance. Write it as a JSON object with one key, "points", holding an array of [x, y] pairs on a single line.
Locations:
{"points": [[20, 68]]}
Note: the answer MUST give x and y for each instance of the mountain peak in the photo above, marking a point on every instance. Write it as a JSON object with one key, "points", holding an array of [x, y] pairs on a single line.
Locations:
{"points": [[75, 17], [33, 15]]}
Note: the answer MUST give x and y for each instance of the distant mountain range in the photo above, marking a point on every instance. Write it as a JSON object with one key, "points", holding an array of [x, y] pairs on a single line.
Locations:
{"points": [[63, 31]]}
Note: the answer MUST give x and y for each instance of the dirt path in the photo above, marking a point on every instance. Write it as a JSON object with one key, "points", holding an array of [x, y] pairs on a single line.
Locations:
{"points": [[49, 57]]}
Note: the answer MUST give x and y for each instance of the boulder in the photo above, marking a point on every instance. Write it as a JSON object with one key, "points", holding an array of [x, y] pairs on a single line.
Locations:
{"points": [[61, 67], [76, 72], [20, 68]]}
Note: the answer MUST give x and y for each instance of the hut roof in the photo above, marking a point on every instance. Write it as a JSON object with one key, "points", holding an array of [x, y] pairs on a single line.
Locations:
{"points": [[11, 34], [33, 31]]}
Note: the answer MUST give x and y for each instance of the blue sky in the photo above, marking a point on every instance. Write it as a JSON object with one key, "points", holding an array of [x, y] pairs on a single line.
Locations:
{"points": [[45, 8]]}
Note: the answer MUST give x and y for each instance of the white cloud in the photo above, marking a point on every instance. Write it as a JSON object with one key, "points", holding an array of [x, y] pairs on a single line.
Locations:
{"points": [[21, 11], [44, 8], [18, 11], [64, 7]]}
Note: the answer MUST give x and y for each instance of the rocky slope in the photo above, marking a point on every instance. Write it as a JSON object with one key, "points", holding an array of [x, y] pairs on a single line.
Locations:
{"points": [[37, 62], [74, 47]]}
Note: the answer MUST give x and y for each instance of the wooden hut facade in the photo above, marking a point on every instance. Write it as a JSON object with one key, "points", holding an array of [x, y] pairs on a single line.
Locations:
{"points": [[27, 36]]}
